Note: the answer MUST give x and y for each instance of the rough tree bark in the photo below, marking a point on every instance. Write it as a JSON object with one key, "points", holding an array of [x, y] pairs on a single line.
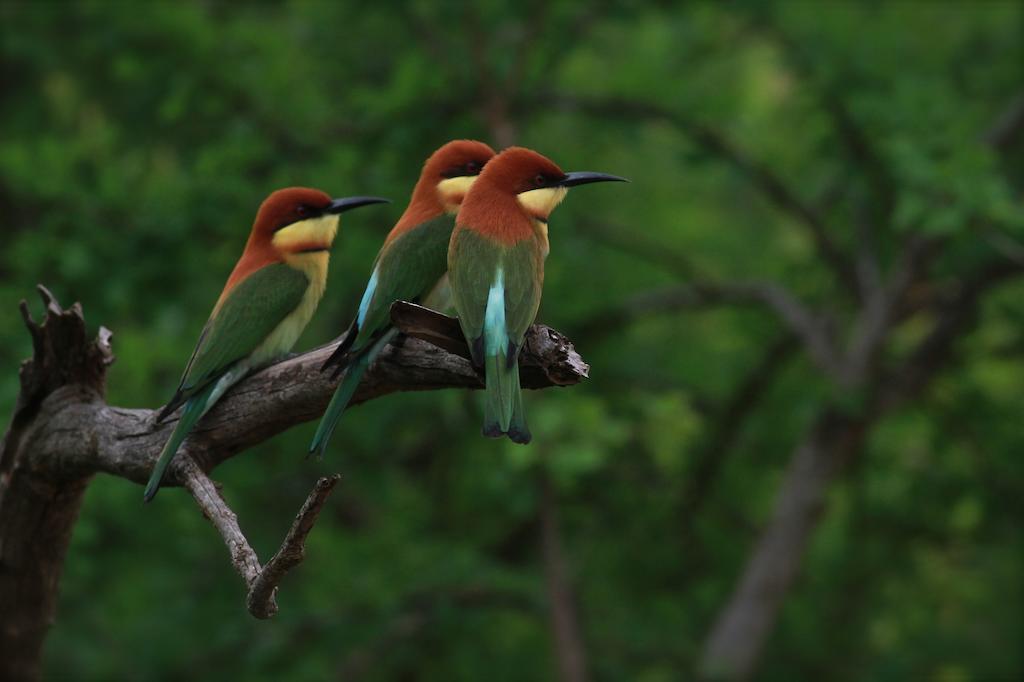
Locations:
{"points": [[63, 432]]}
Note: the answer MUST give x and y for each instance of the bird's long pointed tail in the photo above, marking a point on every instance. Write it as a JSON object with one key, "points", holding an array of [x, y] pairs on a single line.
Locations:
{"points": [[195, 408], [343, 394], [503, 404]]}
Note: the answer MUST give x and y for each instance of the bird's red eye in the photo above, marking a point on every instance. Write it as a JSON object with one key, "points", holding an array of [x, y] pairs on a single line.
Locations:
{"points": [[302, 211], [472, 167], [539, 180]]}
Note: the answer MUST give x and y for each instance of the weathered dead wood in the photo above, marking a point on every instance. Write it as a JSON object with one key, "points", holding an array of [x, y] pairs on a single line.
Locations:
{"points": [[62, 432], [38, 508], [262, 581]]}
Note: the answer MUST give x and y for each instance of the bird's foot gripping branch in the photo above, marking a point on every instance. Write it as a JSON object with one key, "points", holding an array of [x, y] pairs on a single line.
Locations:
{"points": [[63, 432]]}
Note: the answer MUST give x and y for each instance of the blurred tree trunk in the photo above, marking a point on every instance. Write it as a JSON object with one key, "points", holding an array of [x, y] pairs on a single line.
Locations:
{"points": [[835, 439], [565, 628], [747, 620]]}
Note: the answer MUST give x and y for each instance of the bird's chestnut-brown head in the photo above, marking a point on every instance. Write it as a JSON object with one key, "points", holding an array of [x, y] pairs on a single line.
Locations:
{"points": [[536, 181], [444, 181], [300, 219], [451, 170]]}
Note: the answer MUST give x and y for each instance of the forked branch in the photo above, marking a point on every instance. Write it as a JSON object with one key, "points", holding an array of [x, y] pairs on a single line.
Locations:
{"points": [[262, 581], [63, 432]]}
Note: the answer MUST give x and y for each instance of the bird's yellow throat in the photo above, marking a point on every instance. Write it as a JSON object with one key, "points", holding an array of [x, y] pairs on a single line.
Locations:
{"points": [[541, 202], [305, 235], [451, 191], [303, 245]]}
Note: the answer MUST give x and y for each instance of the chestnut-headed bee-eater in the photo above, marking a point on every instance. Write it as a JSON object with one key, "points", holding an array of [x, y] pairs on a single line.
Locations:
{"points": [[267, 302], [496, 267], [410, 266]]}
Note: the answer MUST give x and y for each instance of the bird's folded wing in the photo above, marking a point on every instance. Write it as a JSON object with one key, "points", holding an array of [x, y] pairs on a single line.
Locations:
{"points": [[406, 270], [251, 311]]}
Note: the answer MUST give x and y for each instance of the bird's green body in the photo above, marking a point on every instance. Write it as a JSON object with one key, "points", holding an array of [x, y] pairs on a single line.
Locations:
{"points": [[496, 288], [496, 268], [409, 267], [258, 321], [265, 305]]}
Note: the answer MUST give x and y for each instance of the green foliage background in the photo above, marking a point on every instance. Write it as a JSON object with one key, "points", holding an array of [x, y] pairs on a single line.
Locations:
{"points": [[138, 139]]}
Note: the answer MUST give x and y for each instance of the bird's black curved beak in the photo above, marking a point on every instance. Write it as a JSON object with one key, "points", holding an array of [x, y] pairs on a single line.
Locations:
{"points": [[348, 203], [586, 177]]}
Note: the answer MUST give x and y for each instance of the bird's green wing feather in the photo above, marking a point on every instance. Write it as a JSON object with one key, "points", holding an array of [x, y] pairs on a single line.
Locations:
{"points": [[406, 269], [252, 310]]}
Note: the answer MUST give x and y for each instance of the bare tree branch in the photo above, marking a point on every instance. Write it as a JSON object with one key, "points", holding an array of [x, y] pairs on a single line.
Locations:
{"points": [[262, 581], [215, 509], [125, 442], [63, 432], [261, 601]]}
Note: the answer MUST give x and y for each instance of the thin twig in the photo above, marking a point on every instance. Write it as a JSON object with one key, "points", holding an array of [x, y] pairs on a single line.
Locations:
{"points": [[204, 491], [261, 581], [261, 602]]}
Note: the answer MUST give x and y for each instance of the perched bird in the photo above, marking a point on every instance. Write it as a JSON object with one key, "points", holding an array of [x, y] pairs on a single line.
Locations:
{"points": [[410, 266], [496, 267], [267, 302]]}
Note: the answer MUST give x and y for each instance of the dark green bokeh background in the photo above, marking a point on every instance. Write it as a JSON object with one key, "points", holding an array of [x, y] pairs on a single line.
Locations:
{"points": [[139, 138]]}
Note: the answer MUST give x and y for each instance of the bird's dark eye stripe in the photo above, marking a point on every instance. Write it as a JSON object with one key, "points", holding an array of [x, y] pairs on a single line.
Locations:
{"points": [[471, 168], [302, 212]]}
